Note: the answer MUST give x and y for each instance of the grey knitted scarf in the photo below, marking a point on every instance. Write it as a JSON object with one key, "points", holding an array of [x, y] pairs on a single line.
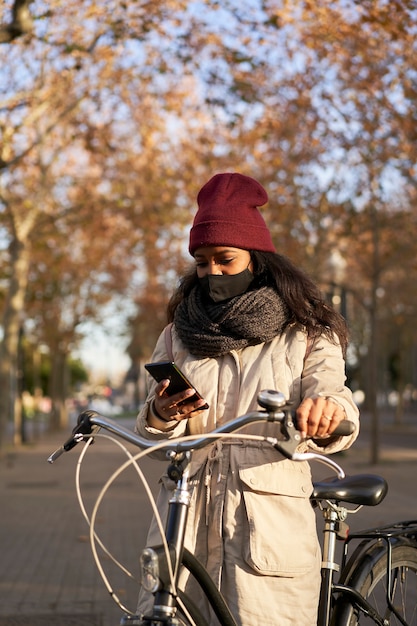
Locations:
{"points": [[210, 329]]}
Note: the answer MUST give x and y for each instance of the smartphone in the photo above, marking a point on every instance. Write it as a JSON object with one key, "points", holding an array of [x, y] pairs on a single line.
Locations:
{"points": [[178, 381]]}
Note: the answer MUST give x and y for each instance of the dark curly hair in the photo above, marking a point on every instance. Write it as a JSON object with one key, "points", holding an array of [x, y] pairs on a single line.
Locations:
{"points": [[305, 302]]}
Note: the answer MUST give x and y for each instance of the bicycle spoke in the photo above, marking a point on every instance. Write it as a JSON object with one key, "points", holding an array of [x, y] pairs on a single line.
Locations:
{"points": [[403, 597]]}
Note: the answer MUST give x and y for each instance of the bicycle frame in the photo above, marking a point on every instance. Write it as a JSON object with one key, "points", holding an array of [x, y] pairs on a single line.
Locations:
{"points": [[165, 603], [369, 491], [334, 528], [376, 543]]}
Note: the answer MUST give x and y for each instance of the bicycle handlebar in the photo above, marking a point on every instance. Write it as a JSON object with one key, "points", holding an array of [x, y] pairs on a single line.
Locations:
{"points": [[275, 409]]}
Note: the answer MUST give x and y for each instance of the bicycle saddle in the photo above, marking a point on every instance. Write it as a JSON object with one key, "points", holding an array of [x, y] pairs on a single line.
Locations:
{"points": [[364, 489]]}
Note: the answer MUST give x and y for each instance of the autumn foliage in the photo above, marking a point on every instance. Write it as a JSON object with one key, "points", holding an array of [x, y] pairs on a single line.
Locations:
{"points": [[114, 113]]}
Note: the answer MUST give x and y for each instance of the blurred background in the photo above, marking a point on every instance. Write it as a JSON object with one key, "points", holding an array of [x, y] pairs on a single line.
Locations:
{"points": [[114, 113]]}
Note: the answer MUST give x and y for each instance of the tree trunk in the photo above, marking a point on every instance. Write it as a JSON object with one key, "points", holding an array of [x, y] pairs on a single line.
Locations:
{"points": [[10, 406], [59, 391]]}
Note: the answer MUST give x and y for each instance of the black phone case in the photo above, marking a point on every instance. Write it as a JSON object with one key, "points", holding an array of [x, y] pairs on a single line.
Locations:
{"points": [[178, 381]]}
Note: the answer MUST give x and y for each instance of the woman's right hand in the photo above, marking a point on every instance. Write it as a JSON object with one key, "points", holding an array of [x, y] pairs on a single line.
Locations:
{"points": [[170, 408]]}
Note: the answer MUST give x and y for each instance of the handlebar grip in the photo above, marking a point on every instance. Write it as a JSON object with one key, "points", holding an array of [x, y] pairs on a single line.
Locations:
{"points": [[83, 427], [345, 428]]}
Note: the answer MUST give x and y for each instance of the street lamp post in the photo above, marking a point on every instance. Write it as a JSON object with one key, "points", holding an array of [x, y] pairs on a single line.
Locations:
{"points": [[336, 267]]}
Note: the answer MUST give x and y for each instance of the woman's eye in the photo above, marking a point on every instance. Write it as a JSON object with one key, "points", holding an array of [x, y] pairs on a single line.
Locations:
{"points": [[216, 262]]}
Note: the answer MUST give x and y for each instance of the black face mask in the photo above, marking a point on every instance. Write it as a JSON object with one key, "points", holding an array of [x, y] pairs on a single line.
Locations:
{"points": [[226, 286]]}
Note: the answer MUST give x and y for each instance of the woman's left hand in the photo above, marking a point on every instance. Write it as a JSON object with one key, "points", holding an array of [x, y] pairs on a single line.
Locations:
{"points": [[318, 417]]}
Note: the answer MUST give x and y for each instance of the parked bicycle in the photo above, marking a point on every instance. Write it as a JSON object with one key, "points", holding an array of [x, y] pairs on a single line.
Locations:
{"points": [[377, 573]]}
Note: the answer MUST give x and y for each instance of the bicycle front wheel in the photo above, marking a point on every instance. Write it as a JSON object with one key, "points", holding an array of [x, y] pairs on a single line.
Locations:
{"points": [[369, 578]]}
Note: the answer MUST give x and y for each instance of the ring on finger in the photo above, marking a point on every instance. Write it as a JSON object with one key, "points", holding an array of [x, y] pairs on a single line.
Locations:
{"points": [[328, 417]]}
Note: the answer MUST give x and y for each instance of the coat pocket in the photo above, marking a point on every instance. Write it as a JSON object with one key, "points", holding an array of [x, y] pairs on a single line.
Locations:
{"points": [[281, 522]]}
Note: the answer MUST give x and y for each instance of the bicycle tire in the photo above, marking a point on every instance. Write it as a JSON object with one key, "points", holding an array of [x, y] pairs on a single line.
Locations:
{"points": [[368, 578], [213, 595], [192, 609]]}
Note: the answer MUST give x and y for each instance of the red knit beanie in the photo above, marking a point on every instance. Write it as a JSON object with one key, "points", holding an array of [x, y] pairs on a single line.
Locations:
{"points": [[228, 215]]}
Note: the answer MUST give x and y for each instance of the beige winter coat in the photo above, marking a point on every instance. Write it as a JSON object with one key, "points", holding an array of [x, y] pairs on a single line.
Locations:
{"points": [[251, 522]]}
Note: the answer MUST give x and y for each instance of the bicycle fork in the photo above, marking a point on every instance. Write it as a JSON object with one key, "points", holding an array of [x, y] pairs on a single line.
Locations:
{"points": [[160, 571]]}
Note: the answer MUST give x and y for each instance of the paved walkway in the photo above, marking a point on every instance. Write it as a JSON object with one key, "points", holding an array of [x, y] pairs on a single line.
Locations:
{"points": [[47, 572]]}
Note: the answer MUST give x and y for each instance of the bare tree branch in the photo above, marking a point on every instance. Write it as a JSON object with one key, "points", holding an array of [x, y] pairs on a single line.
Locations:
{"points": [[21, 24]]}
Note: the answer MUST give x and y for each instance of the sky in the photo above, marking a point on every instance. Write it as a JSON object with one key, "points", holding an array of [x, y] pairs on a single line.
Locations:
{"points": [[103, 352]]}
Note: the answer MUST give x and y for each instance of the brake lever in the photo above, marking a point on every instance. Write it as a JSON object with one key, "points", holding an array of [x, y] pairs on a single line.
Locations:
{"points": [[292, 437]]}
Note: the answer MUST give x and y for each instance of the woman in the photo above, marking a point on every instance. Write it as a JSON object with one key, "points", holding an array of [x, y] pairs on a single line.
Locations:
{"points": [[245, 319]]}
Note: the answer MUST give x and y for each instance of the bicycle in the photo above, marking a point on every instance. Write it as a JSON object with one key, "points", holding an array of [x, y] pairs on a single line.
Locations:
{"points": [[375, 575]]}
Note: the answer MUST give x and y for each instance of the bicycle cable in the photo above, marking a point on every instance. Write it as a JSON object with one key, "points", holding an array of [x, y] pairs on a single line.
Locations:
{"points": [[133, 461]]}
